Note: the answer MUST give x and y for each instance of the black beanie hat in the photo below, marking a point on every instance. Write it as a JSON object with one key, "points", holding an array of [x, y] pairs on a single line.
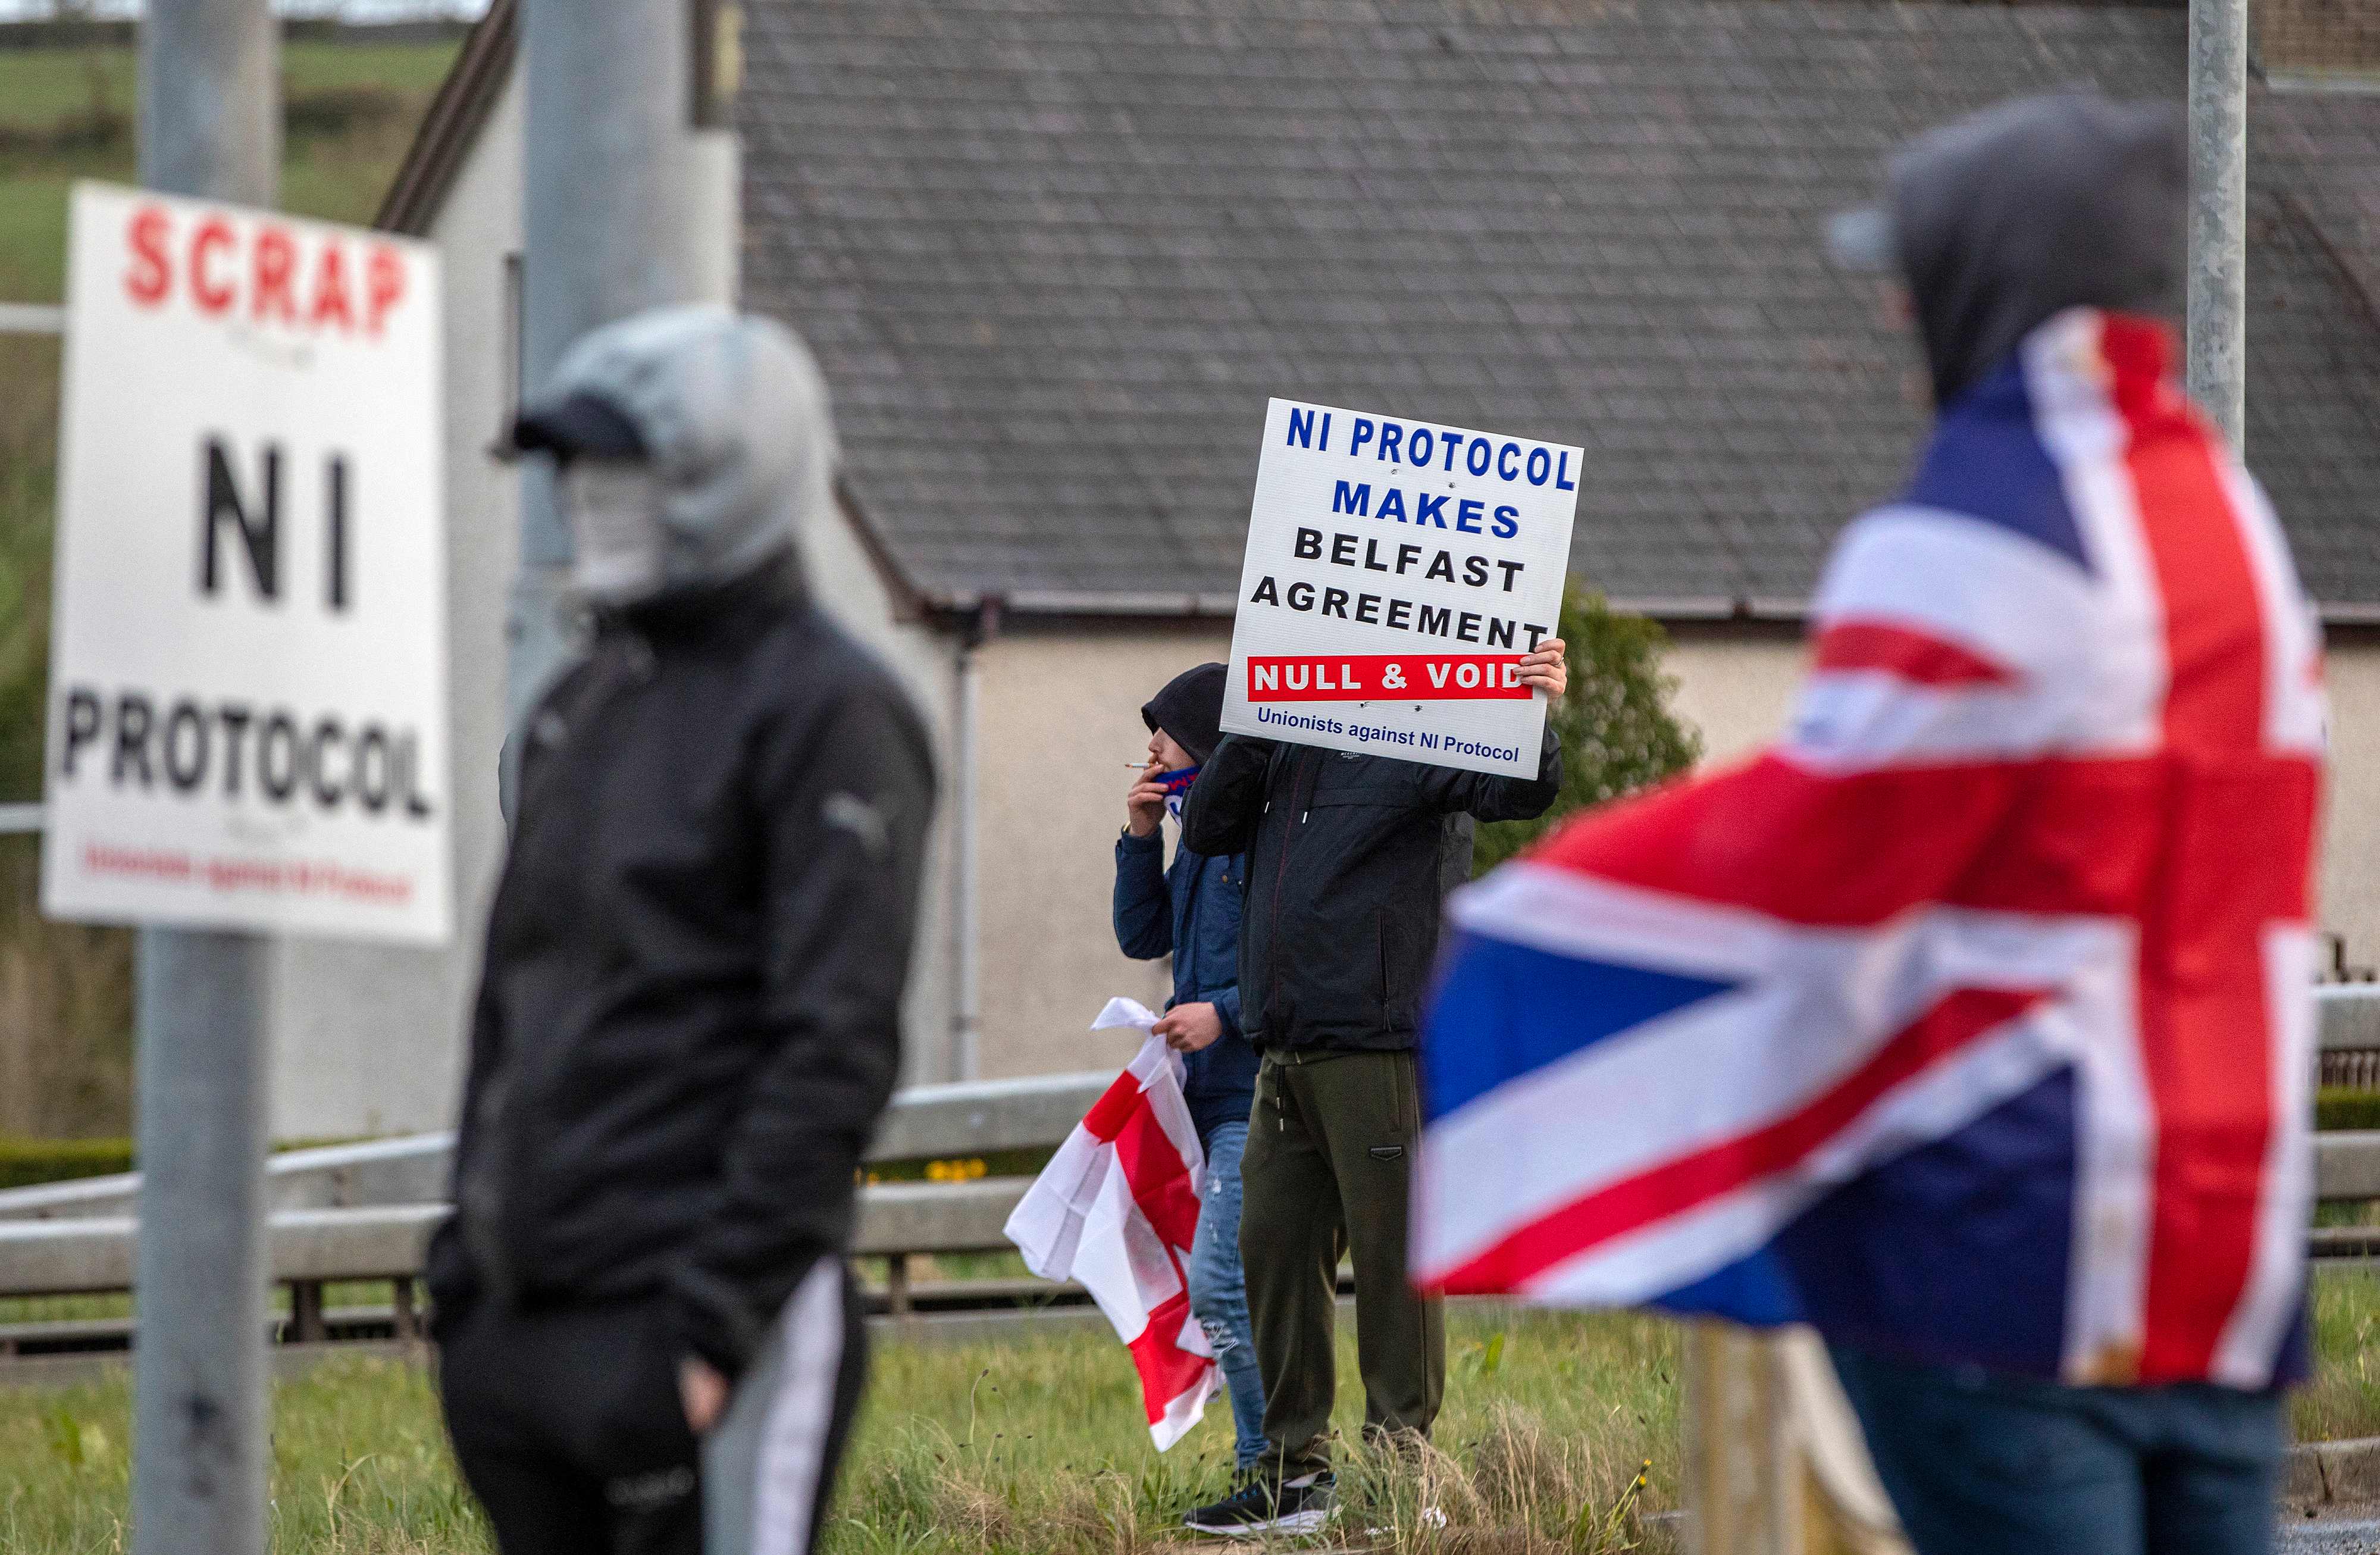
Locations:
{"points": [[1190, 709]]}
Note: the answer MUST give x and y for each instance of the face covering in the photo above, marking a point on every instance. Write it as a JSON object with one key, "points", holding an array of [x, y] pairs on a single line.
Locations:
{"points": [[1177, 784], [613, 507]]}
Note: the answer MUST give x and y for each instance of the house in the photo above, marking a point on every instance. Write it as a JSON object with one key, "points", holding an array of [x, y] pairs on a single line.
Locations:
{"points": [[1055, 256]]}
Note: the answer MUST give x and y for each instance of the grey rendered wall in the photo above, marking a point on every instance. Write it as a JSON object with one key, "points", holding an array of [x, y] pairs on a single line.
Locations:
{"points": [[1061, 719], [369, 1040], [848, 583], [365, 1040]]}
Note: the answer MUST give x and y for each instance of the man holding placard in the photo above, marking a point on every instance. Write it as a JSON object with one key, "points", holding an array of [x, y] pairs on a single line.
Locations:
{"points": [[1392, 663]]}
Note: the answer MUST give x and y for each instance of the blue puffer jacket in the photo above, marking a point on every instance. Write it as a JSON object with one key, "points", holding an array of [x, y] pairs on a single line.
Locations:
{"points": [[1192, 910]]}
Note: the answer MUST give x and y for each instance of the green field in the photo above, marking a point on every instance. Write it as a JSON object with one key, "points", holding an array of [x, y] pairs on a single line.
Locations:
{"points": [[69, 114], [1036, 1446]]}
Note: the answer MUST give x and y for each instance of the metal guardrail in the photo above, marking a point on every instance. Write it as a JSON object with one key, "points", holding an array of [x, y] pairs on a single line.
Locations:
{"points": [[407, 1171], [31, 318], [2346, 1016], [2349, 1035], [94, 1254], [365, 1212], [941, 1122], [2347, 1166], [923, 1123]]}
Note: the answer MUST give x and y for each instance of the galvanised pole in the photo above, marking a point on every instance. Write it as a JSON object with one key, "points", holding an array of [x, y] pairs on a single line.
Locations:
{"points": [[2218, 212], [209, 125], [631, 202]]}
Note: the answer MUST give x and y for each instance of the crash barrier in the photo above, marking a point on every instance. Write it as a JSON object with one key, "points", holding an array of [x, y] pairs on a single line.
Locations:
{"points": [[2351, 1035], [364, 1213], [349, 1213], [923, 1123], [312, 1248]]}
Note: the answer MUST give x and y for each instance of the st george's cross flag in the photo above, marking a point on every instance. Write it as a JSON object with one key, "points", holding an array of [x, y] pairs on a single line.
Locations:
{"points": [[1973, 1022], [1117, 1208]]}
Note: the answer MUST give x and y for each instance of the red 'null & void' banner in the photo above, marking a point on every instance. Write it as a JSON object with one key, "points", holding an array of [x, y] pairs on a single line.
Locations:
{"points": [[1394, 678]]}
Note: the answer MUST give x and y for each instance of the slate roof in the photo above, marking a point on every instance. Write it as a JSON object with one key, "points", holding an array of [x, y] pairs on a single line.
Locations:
{"points": [[1055, 254]]}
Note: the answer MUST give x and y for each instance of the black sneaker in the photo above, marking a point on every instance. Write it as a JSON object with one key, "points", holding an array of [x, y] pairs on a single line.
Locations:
{"points": [[1264, 1505]]}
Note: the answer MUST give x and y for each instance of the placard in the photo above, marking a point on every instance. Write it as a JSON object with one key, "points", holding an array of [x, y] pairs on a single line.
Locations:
{"points": [[248, 715], [1396, 572]]}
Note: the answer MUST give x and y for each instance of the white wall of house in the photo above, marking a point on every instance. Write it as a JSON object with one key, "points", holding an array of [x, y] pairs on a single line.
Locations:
{"points": [[1735, 685], [2349, 902], [369, 1040], [1059, 719], [848, 583]]}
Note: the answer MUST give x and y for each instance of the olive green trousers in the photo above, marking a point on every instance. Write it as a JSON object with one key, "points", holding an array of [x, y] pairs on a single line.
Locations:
{"points": [[1328, 1172]]}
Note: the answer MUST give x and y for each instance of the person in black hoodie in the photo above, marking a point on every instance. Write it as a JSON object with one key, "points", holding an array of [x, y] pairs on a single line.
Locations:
{"points": [[2035, 245], [689, 1012], [1191, 911], [1349, 860]]}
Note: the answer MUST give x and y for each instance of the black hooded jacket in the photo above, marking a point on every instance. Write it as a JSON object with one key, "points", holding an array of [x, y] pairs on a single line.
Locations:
{"points": [[689, 1017], [2007, 218], [1349, 858]]}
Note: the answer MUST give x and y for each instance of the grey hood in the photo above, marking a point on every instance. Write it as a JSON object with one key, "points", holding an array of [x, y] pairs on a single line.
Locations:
{"points": [[731, 411], [2002, 220]]}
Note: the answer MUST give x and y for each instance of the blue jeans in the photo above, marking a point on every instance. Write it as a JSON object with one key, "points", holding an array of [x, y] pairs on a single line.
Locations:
{"points": [[1219, 1291], [1985, 1464]]}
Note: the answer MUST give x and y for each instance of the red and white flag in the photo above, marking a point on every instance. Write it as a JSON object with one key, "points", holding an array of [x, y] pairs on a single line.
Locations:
{"points": [[1117, 1208]]}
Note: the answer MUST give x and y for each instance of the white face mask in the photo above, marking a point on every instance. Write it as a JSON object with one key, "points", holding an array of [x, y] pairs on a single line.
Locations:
{"points": [[613, 507]]}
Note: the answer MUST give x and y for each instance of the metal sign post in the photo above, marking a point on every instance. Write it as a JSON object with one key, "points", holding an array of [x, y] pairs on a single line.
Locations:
{"points": [[209, 124], [247, 720], [630, 202], [2218, 212]]}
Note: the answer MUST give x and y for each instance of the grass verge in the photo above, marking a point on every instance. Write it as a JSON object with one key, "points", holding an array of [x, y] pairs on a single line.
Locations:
{"points": [[1559, 1432], [1033, 1445], [1551, 1420]]}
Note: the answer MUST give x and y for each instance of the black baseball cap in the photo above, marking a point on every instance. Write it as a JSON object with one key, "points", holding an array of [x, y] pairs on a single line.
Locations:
{"points": [[584, 426]]}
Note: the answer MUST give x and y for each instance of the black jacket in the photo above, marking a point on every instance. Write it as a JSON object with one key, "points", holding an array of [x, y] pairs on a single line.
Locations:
{"points": [[689, 1017], [1349, 858]]}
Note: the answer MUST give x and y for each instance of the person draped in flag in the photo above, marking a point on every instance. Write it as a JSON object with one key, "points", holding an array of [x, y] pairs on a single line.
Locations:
{"points": [[1971, 1023], [1190, 910]]}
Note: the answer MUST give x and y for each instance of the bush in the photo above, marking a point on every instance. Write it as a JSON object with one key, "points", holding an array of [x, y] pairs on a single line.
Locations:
{"points": [[66, 989], [2339, 1107], [1618, 734], [26, 1162]]}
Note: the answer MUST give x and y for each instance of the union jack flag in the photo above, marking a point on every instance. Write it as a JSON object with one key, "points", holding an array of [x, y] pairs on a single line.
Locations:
{"points": [[1972, 1021]]}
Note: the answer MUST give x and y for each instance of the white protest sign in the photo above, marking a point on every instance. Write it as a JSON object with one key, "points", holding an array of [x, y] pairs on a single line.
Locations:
{"points": [[1396, 572], [248, 671]]}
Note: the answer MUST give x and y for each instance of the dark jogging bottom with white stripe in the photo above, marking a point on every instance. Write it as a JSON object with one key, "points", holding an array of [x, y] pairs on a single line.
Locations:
{"points": [[567, 1425]]}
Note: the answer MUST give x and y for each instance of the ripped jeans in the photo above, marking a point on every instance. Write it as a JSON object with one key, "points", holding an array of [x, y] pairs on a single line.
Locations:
{"points": [[1219, 1293]]}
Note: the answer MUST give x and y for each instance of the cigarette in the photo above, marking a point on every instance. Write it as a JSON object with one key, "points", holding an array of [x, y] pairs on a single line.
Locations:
{"points": [[1137, 766]]}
